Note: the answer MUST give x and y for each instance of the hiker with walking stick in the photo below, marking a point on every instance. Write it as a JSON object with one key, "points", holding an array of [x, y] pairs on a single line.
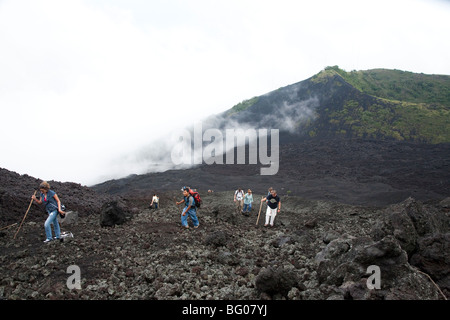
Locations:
{"points": [[53, 206], [273, 207]]}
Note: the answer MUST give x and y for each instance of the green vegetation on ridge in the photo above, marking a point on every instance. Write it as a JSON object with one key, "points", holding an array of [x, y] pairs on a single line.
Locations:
{"points": [[242, 106], [400, 85], [398, 120], [410, 106]]}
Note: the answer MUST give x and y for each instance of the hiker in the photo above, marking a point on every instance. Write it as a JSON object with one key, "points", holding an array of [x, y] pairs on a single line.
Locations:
{"points": [[190, 210], [53, 206], [273, 207], [239, 199], [269, 192], [248, 199], [155, 201]]}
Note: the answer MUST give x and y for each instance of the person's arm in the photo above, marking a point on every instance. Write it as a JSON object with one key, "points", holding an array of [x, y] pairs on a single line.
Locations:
{"points": [[36, 199], [264, 199], [59, 203], [279, 206]]}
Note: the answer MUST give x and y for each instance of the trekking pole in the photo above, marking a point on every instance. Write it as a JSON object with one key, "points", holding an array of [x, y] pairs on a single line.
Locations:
{"points": [[257, 220], [8, 226], [176, 206], [31, 202]]}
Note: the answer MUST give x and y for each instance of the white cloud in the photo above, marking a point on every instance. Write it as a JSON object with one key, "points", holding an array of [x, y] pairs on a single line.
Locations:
{"points": [[84, 83]]}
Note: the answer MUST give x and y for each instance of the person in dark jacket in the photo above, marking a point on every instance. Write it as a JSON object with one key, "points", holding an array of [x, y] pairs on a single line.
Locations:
{"points": [[273, 207]]}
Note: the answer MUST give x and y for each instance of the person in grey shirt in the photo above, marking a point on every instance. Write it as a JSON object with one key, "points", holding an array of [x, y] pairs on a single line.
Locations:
{"points": [[190, 210]]}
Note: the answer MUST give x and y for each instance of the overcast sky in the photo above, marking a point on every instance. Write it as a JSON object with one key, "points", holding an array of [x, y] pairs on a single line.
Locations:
{"points": [[83, 83]]}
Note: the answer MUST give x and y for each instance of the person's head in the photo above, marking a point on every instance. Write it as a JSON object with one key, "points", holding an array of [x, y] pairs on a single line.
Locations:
{"points": [[273, 192], [44, 187], [185, 191], [270, 190], [249, 191]]}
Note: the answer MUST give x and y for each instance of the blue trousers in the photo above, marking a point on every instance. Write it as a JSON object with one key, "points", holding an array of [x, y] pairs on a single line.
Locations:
{"points": [[52, 220], [247, 207], [191, 213]]}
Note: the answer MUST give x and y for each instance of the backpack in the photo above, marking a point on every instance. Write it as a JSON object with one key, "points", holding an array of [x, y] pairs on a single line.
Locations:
{"points": [[196, 196]]}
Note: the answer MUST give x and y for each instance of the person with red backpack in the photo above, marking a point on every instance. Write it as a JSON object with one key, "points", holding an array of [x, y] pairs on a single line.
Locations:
{"points": [[190, 209]]}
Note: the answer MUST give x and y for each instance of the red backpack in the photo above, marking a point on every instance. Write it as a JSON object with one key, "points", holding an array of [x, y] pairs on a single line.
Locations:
{"points": [[196, 196]]}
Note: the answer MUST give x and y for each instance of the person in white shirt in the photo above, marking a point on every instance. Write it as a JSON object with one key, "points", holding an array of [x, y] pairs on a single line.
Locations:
{"points": [[155, 201], [239, 199]]}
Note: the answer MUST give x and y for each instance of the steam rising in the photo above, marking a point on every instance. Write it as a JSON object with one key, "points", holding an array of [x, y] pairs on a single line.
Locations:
{"points": [[220, 134]]}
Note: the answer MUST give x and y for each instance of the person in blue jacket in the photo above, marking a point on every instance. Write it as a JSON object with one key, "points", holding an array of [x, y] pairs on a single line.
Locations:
{"points": [[190, 210], [52, 206]]}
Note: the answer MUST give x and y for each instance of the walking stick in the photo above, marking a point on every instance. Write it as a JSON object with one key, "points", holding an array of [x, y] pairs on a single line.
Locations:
{"points": [[11, 225], [31, 202], [257, 220]]}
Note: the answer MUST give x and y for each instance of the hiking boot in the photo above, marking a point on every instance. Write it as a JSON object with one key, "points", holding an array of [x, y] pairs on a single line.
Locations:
{"points": [[47, 240]]}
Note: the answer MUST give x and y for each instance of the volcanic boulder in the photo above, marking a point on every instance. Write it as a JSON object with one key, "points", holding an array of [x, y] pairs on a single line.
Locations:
{"points": [[217, 238], [111, 214], [445, 203], [70, 218], [397, 222], [345, 262], [433, 257], [422, 231], [275, 280]]}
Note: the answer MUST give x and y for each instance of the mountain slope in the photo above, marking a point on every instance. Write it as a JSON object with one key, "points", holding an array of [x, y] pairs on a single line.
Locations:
{"points": [[376, 104], [337, 141]]}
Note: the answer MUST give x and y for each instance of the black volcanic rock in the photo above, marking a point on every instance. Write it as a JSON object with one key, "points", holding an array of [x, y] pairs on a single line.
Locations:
{"points": [[345, 261], [409, 221], [150, 256], [111, 214], [217, 238], [433, 257], [356, 171], [275, 280]]}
